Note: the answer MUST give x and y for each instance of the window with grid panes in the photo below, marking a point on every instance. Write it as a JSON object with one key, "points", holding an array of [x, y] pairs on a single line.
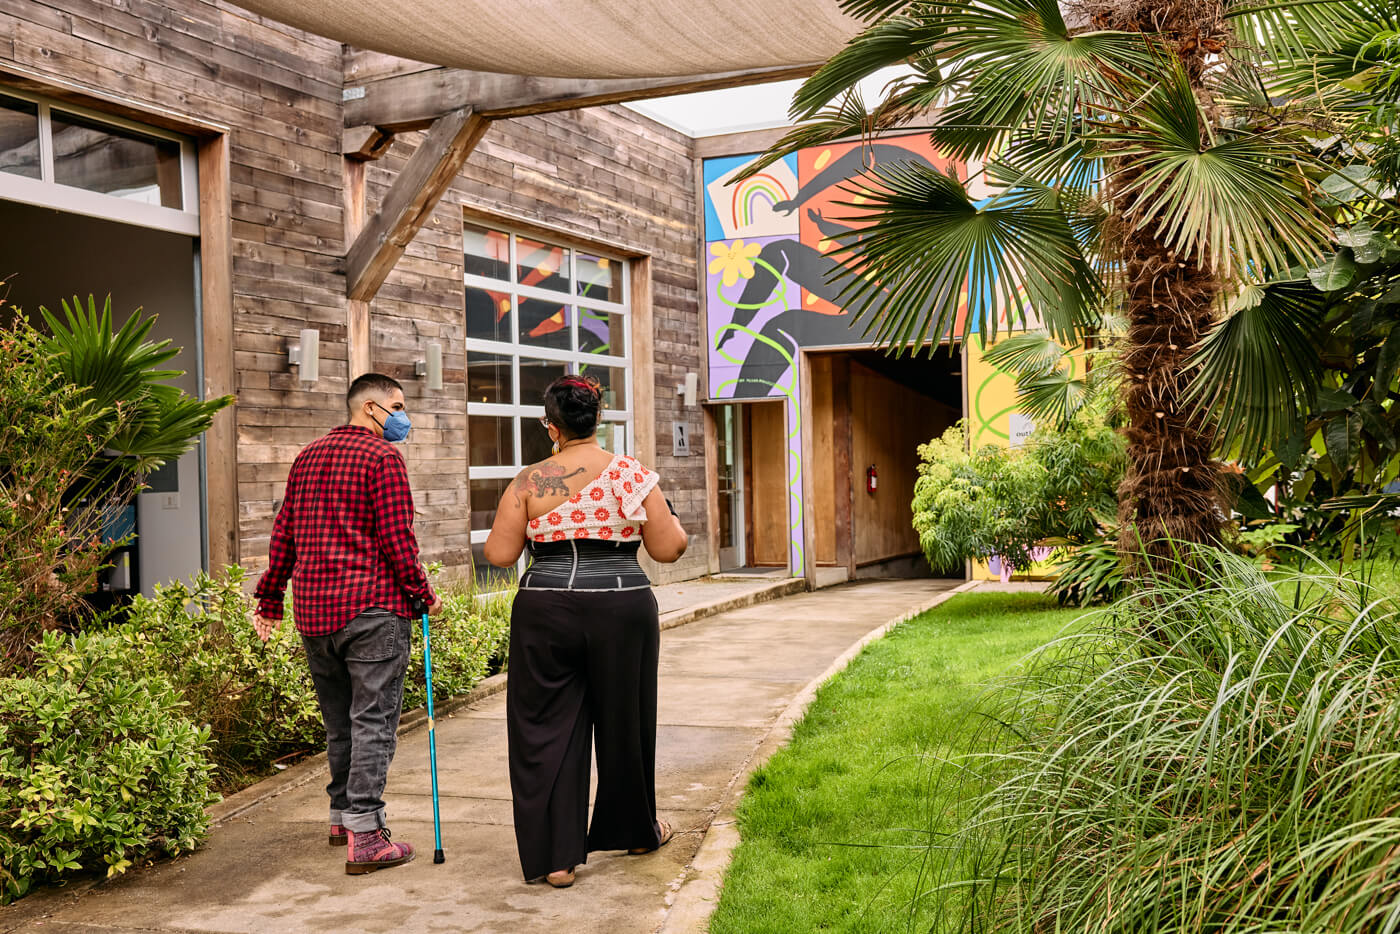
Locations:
{"points": [[536, 311]]}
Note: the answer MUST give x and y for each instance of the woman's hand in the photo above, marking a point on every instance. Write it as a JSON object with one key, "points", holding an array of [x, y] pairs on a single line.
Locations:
{"points": [[662, 533]]}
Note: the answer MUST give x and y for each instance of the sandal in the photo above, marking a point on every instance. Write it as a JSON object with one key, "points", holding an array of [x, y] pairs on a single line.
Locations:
{"points": [[666, 834], [561, 878]]}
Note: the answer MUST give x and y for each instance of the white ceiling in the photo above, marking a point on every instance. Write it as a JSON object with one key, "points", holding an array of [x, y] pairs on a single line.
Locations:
{"points": [[733, 110]]}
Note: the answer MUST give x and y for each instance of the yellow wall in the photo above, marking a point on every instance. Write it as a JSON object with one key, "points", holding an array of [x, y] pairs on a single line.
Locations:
{"points": [[994, 417]]}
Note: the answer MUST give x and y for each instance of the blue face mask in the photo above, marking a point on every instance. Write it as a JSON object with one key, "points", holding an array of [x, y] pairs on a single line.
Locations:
{"points": [[396, 426]]}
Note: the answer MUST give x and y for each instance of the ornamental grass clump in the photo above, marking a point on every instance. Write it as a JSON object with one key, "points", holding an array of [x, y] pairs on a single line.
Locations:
{"points": [[1219, 757]]}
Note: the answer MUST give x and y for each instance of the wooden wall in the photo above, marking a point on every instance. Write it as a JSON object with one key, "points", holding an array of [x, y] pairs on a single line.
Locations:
{"points": [[605, 173]]}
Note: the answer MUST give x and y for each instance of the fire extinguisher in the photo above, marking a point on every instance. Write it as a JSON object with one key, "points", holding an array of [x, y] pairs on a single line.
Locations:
{"points": [[872, 479]]}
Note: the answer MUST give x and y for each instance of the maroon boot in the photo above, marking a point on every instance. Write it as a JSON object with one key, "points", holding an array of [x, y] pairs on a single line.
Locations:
{"points": [[371, 850]]}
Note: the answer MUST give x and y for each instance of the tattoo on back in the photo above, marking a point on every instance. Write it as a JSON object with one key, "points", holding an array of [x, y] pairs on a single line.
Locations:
{"points": [[548, 479]]}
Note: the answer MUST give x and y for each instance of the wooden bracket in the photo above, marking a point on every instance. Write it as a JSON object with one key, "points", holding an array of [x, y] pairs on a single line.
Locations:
{"points": [[365, 143], [411, 200]]}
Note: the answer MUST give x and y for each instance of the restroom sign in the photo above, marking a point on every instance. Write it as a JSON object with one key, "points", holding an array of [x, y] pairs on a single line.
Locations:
{"points": [[680, 439]]}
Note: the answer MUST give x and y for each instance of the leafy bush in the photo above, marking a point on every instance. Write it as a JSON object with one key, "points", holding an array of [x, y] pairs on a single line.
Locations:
{"points": [[1001, 501], [50, 525], [88, 413], [256, 699], [99, 766], [470, 640], [1218, 757]]}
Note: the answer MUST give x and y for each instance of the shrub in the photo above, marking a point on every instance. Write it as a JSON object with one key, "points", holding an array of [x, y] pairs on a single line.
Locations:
{"points": [[470, 640], [1005, 502], [99, 766], [51, 544], [1218, 756], [256, 699]]}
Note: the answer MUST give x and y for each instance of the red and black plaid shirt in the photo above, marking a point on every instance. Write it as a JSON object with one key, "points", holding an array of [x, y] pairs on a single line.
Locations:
{"points": [[344, 535]]}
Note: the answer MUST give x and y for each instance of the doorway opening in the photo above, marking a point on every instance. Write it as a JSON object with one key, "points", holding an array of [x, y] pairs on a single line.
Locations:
{"points": [[871, 411], [47, 256]]}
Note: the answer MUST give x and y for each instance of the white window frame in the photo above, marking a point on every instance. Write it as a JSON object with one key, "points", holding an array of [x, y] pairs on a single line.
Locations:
{"points": [[514, 350], [45, 192]]}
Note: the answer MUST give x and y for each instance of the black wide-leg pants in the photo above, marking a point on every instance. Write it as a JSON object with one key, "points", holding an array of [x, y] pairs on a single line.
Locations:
{"points": [[582, 669]]}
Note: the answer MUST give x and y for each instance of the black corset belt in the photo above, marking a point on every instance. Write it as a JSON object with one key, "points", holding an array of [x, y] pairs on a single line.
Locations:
{"points": [[584, 564]]}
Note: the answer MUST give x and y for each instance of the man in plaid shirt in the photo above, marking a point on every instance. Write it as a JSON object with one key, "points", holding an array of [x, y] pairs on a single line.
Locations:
{"points": [[344, 538]]}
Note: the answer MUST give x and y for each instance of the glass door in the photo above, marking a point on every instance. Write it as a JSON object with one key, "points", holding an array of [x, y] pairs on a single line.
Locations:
{"points": [[729, 429]]}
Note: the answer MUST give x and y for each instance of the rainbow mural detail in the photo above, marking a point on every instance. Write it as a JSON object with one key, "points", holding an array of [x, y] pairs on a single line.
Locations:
{"points": [[753, 207]]}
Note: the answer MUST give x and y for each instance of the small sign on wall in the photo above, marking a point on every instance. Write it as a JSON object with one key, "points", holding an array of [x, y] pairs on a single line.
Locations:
{"points": [[680, 439], [1022, 427]]}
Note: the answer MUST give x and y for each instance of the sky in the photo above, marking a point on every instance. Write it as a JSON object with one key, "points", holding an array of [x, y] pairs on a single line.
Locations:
{"points": [[733, 110]]}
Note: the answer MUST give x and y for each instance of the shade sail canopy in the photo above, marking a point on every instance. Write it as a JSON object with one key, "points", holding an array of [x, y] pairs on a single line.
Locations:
{"points": [[581, 38]]}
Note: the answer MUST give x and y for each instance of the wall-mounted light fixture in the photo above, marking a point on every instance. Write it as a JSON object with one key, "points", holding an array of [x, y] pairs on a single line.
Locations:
{"points": [[306, 355], [431, 366], [689, 388]]}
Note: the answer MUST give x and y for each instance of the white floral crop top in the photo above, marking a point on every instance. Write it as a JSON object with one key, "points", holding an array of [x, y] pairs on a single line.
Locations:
{"points": [[609, 508]]}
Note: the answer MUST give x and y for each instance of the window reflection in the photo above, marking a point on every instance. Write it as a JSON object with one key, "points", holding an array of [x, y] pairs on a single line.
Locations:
{"points": [[106, 159], [19, 137]]}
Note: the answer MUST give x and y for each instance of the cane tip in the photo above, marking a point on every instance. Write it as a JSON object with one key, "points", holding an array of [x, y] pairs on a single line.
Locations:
{"points": [[438, 857]]}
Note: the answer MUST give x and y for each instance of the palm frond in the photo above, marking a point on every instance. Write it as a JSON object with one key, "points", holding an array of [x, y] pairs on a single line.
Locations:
{"points": [[1290, 30], [1055, 396], [927, 263], [1259, 369], [1015, 63], [1033, 353], [848, 119], [1236, 200], [891, 41]]}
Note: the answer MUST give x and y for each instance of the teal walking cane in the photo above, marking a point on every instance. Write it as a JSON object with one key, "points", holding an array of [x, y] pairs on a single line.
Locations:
{"points": [[422, 610]]}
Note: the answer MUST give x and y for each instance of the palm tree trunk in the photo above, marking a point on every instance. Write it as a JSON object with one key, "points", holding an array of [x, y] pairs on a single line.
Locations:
{"points": [[1173, 492]]}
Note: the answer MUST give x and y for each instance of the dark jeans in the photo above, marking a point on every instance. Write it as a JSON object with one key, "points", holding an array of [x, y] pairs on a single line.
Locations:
{"points": [[358, 673]]}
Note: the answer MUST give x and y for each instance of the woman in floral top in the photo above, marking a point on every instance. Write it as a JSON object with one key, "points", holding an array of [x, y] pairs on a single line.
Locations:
{"points": [[584, 641]]}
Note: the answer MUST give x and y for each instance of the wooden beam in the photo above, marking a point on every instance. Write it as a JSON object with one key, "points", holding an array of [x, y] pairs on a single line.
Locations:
{"points": [[410, 202], [356, 311], [414, 101], [216, 308]]}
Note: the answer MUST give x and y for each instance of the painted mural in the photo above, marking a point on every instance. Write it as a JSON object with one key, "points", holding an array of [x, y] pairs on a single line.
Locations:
{"points": [[769, 289]]}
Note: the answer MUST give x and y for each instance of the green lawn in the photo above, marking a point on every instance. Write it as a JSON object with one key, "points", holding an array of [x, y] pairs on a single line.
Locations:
{"points": [[833, 825]]}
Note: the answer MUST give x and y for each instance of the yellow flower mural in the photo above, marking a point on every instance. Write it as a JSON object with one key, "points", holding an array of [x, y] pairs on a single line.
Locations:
{"points": [[735, 260]]}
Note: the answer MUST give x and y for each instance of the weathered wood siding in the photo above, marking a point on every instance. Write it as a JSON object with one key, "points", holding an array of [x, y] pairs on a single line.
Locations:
{"points": [[604, 173]]}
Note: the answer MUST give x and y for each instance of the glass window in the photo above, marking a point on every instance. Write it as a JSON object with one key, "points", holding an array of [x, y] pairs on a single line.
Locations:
{"points": [[546, 324], [599, 278], [535, 377], [488, 379], [612, 436], [487, 253], [601, 333], [486, 575], [542, 265], [107, 159], [486, 496], [488, 315], [613, 379], [19, 137], [490, 441], [535, 445], [536, 311]]}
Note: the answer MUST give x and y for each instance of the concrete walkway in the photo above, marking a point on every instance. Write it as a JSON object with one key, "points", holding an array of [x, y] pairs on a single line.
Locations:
{"points": [[726, 681]]}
